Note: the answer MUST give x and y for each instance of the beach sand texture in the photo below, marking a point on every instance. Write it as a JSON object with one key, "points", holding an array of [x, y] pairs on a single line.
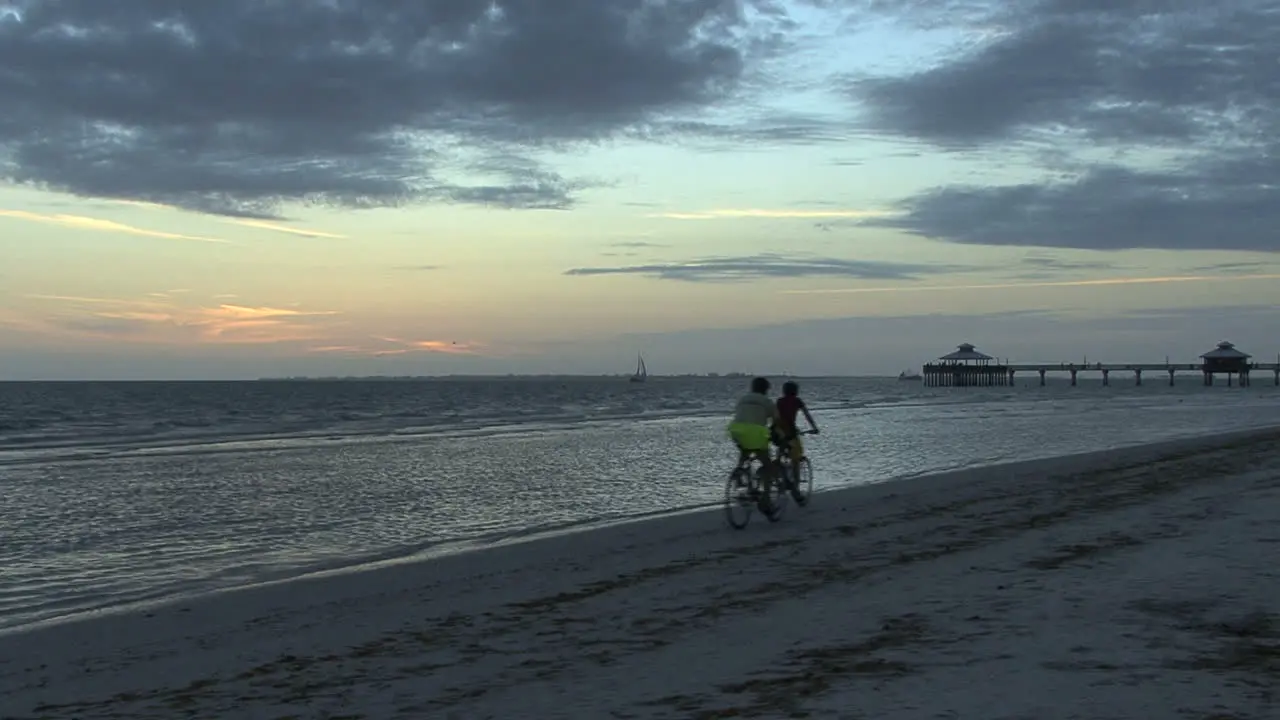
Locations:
{"points": [[1137, 583]]}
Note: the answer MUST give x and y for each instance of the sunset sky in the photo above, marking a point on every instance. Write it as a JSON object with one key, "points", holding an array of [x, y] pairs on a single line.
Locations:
{"points": [[247, 188]]}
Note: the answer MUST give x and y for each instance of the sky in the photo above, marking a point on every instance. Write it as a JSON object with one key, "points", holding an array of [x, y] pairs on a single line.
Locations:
{"points": [[259, 188]]}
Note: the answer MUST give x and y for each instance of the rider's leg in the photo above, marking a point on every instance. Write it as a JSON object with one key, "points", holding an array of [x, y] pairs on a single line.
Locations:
{"points": [[754, 440], [740, 435], [744, 460], [768, 468]]}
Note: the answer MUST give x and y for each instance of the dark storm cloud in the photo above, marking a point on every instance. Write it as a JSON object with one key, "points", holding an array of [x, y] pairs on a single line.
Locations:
{"points": [[1108, 208], [1198, 81], [234, 106], [769, 266]]}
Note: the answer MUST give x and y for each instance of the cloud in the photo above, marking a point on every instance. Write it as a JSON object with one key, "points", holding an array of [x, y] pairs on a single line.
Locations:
{"points": [[1236, 268], [276, 227], [239, 106], [1160, 122], [1106, 209], [389, 346], [630, 248], [636, 244], [246, 222], [134, 203], [1097, 282], [1052, 263], [157, 321], [768, 214], [82, 299], [1142, 319], [769, 266], [80, 222], [754, 127], [1044, 267], [452, 347]]}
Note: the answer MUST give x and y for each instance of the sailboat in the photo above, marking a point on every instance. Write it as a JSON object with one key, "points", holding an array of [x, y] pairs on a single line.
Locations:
{"points": [[641, 371]]}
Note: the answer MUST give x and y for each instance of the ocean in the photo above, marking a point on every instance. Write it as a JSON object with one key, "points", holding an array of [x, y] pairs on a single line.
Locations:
{"points": [[117, 494]]}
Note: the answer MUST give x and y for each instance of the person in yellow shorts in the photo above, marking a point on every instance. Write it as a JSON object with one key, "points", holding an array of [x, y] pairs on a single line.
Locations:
{"points": [[752, 417]]}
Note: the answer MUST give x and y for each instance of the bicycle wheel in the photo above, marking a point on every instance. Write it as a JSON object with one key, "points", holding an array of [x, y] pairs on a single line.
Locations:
{"points": [[737, 498]]}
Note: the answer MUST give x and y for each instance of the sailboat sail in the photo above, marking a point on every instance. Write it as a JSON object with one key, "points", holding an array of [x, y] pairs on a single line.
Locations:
{"points": [[641, 371]]}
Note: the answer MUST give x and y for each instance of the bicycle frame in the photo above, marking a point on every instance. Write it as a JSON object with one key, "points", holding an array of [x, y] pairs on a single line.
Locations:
{"points": [[784, 444], [786, 466]]}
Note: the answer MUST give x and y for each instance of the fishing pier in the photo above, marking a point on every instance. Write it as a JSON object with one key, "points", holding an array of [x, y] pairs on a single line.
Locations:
{"points": [[967, 367]]}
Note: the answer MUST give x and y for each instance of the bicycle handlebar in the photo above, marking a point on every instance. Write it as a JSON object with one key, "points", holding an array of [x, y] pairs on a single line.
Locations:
{"points": [[780, 438]]}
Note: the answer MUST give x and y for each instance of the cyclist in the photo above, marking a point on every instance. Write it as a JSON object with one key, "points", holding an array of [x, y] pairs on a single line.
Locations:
{"points": [[789, 407], [750, 427]]}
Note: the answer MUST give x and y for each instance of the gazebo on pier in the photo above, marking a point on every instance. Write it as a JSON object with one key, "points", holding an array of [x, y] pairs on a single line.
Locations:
{"points": [[1225, 359], [966, 367]]}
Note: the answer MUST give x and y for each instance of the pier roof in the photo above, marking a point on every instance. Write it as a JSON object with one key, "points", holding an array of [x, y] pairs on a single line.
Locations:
{"points": [[965, 351], [1225, 351]]}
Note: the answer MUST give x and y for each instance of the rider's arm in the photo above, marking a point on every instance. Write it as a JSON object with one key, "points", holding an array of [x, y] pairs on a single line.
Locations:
{"points": [[807, 416]]}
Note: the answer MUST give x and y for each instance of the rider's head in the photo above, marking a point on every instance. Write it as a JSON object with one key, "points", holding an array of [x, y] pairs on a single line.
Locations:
{"points": [[760, 385], [790, 389]]}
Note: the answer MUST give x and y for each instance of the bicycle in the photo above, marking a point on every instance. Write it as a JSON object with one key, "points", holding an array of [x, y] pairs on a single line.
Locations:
{"points": [[744, 492], [797, 478]]}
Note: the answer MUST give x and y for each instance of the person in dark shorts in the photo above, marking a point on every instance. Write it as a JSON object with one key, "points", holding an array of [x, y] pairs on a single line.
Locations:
{"points": [[789, 408]]}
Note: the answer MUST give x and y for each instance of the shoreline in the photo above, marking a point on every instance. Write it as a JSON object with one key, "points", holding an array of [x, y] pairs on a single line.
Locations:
{"points": [[427, 552], [437, 550], [640, 608]]}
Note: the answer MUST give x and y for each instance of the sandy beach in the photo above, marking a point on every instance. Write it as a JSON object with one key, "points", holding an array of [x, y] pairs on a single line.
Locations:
{"points": [[1138, 583]]}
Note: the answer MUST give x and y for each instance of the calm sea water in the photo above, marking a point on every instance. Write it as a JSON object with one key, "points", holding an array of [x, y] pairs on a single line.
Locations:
{"points": [[116, 493]]}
